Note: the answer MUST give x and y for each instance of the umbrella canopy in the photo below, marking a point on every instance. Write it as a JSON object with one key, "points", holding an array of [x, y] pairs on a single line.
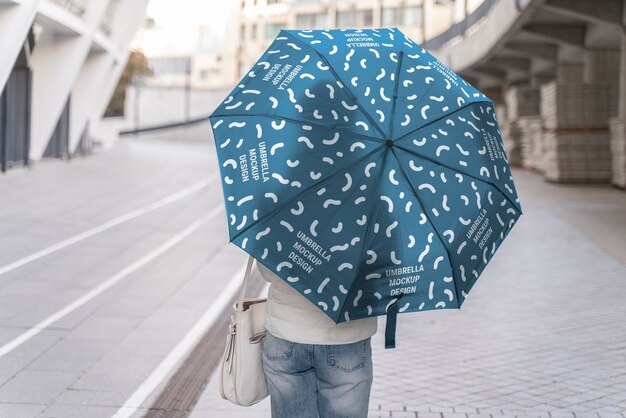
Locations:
{"points": [[364, 172]]}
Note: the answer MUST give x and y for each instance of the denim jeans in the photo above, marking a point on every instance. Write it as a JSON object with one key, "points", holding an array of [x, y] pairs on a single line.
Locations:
{"points": [[310, 380]]}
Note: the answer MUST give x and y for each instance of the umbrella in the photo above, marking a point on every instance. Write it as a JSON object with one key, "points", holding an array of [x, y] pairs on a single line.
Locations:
{"points": [[364, 172]]}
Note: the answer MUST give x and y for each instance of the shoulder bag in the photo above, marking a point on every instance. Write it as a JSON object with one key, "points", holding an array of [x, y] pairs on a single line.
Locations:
{"points": [[242, 380]]}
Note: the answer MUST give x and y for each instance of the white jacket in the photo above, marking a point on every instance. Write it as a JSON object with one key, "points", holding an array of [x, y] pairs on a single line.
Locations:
{"points": [[292, 317]]}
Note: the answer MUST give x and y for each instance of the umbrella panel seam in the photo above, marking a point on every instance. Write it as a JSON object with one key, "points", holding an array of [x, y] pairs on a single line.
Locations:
{"points": [[367, 233], [345, 86], [395, 95], [441, 117], [299, 122], [410, 185], [274, 211], [458, 170]]}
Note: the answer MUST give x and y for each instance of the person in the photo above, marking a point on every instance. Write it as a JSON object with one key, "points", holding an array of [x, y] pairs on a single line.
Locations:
{"points": [[313, 366]]}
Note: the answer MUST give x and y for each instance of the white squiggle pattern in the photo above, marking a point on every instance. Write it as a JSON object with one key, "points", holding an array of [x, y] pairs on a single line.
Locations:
{"points": [[321, 157]]}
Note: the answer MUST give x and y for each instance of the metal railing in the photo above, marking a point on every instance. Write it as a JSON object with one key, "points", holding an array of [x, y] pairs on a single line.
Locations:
{"points": [[76, 7], [459, 28]]}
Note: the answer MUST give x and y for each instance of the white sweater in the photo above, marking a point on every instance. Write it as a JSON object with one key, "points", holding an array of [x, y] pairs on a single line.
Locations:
{"points": [[292, 317]]}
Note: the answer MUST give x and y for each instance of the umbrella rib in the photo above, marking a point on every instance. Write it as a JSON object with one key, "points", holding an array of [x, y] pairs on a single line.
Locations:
{"points": [[456, 289], [395, 95], [458, 170], [368, 231], [440, 117], [300, 122], [345, 86], [290, 201]]}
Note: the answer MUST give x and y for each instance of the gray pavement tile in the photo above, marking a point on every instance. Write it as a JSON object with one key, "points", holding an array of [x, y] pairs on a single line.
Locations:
{"points": [[240, 413], [490, 411], [118, 372], [90, 397], [210, 403], [71, 355], [77, 411], [104, 327], [36, 386], [20, 410], [47, 305], [561, 414], [471, 415], [17, 360], [442, 409], [465, 409]]}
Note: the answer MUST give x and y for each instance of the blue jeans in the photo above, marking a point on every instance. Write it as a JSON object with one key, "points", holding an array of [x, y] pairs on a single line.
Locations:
{"points": [[307, 380]]}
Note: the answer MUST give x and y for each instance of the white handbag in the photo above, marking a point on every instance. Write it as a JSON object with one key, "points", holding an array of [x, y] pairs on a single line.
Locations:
{"points": [[242, 380]]}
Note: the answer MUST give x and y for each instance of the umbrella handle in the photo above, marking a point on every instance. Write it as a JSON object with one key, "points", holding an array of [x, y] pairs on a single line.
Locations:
{"points": [[390, 326]]}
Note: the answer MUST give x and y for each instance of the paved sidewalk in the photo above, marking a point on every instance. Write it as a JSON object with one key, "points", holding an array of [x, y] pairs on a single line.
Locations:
{"points": [[543, 334], [88, 361]]}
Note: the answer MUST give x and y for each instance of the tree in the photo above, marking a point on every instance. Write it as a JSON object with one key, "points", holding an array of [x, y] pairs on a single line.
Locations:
{"points": [[137, 66]]}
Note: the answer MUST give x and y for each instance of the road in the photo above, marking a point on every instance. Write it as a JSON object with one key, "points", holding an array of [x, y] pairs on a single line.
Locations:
{"points": [[106, 264]]}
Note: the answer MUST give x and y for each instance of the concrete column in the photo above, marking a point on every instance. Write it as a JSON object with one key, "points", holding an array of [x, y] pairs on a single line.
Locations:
{"points": [[377, 14], [601, 65], [569, 72], [618, 124], [15, 22], [101, 71], [460, 11], [332, 14], [56, 62], [536, 80], [427, 16], [622, 79]]}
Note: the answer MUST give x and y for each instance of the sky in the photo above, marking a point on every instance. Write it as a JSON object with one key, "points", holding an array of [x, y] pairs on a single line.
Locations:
{"points": [[177, 23]]}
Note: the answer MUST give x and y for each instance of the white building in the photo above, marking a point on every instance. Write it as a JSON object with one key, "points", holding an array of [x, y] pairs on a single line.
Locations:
{"points": [[257, 22], [60, 63]]}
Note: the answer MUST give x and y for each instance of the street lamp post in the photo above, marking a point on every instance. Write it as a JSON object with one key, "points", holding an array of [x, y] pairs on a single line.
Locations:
{"points": [[187, 98], [136, 84]]}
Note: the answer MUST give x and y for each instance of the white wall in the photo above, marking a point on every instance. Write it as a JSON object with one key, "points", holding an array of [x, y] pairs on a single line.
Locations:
{"points": [[163, 105], [56, 62], [102, 69], [15, 22], [72, 56]]}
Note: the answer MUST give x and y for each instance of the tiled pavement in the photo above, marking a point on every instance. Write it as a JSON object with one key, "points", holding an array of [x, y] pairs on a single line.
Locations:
{"points": [[91, 360], [543, 333]]}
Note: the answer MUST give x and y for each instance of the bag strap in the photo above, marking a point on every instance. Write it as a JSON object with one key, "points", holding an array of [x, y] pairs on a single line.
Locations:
{"points": [[242, 293]]}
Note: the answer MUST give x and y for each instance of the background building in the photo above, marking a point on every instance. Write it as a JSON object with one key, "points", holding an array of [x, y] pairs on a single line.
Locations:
{"points": [[188, 82], [259, 21], [61, 60], [557, 71]]}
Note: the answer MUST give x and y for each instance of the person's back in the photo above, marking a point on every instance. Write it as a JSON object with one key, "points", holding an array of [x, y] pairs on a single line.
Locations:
{"points": [[312, 365]]}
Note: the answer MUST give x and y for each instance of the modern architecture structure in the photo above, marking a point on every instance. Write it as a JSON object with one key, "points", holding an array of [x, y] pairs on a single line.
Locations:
{"points": [[61, 60], [557, 69], [210, 65]]}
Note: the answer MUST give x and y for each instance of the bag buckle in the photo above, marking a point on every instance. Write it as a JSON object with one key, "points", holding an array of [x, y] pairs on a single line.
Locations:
{"points": [[256, 338]]}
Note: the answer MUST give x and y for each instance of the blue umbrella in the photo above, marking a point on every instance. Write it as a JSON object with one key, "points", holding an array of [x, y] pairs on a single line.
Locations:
{"points": [[364, 172]]}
